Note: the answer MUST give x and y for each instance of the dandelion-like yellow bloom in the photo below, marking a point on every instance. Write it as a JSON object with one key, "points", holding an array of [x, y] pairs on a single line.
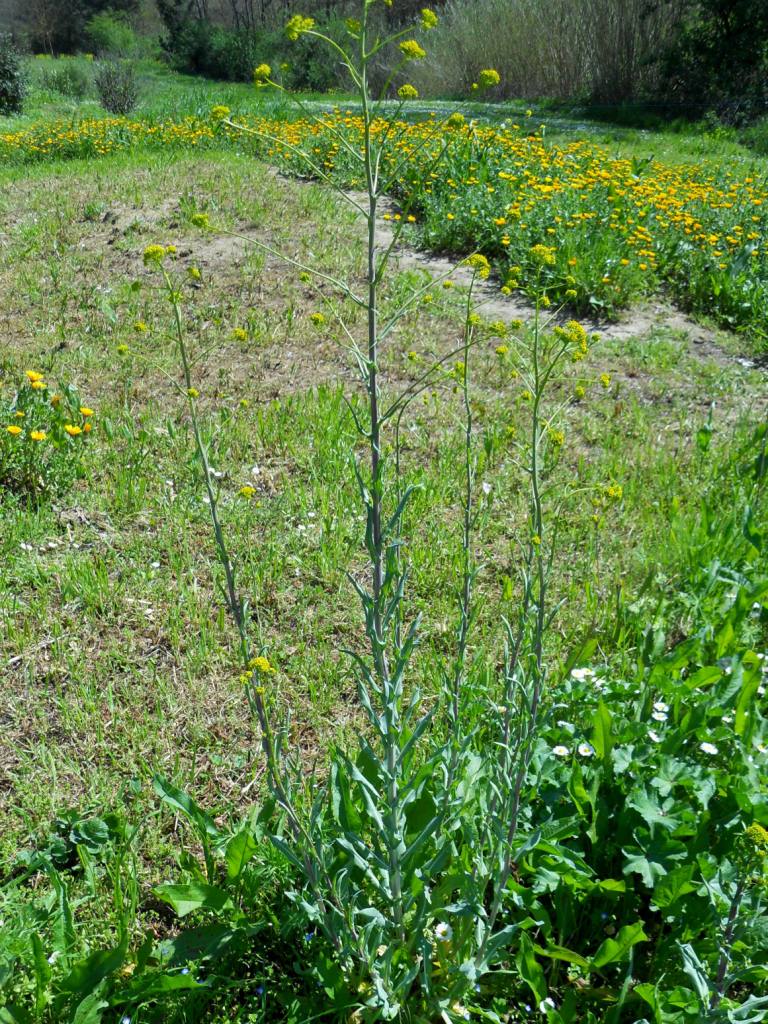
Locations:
{"points": [[411, 50], [13, 430], [605, 380], [33, 375], [38, 435], [72, 429], [456, 120], [140, 327], [239, 334], [39, 385], [501, 350], [85, 411]]}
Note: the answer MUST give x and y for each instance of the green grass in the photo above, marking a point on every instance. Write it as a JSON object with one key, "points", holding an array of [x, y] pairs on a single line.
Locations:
{"points": [[118, 656]]}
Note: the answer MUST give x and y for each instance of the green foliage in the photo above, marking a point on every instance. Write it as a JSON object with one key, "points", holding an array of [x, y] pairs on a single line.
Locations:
{"points": [[13, 84], [117, 86], [66, 78], [719, 58], [42, 438], [64, 28], [110, 35]]}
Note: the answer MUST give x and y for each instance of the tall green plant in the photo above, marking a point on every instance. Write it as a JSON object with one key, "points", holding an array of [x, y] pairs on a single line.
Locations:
{"points": [[407, 850]]}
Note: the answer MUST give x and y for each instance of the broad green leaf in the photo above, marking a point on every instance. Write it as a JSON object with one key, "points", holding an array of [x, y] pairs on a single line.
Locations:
{"points": [[91, 1009], [87, 974], [615, 949], [569, 956], [674, 885], [194, 896], [209, 941], [240, 849], [530, 969]]}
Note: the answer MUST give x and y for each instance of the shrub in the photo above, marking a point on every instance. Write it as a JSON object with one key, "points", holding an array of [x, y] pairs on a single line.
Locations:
{"points": [[117, 86], [42, 438], [110, 35], [12, 81], [67, 79]]}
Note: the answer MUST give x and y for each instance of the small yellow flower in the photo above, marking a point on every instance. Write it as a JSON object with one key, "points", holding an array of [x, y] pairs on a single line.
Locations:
{"points": [[239, 334], [72, 429], [154, 254], [529, 113], [19, 414], [261, 665], [194, 273], [571, 294], [39, 385], [613, 492], [579, 392], [556, 437], [171, 250], [456, 120], [33, 376], [219, 112], [13, 430], [411, 50], [501, 350], [55, 400], [140, 327], [200, 220], [38, 435], [536, 540], [298, 25], [526, 395], [244, 403], [247, 491], [408, 92], [318, 319], [261, 73], [489, 78], [605, 380], [85, 411], [122, 349], [193, 393], [87, 427], [429, 19], [544, 255], [479, 263]]}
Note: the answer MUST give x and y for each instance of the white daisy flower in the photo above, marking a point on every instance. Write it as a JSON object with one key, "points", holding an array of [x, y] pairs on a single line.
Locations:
{"points": [[659, 716], [654, 736], [582, 674], [708, 748], [443, 932], [560, 751], [586, 749], [660, 706]]}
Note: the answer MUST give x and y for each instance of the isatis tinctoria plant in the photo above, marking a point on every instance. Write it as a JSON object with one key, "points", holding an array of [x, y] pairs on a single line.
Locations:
{"points": [[405, 852]]}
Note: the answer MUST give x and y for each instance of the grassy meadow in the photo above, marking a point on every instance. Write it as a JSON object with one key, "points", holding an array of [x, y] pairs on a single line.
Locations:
{"points": [[118, 658]]}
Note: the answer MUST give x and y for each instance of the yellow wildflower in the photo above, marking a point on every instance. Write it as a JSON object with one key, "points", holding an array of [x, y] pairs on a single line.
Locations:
{"points": [[480, 264], [261, 73], [489, 78], [72, 429], [261, 665], [408, 92], [411, 50], [154, 254], [605, 380], [239, 333], [39, 385], [38, 435], [219, 112], [13, 430], [85, 411], [247, 491], [429, 19], [33, 375], [298, 25], [193, 393], [318, 319]]}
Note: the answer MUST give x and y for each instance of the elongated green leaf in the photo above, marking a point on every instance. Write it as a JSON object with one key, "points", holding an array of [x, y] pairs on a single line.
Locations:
{"points": [[91, 1009], [615, 949], [42, 973], [194, 896], [602, 739], [180, 801]]}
